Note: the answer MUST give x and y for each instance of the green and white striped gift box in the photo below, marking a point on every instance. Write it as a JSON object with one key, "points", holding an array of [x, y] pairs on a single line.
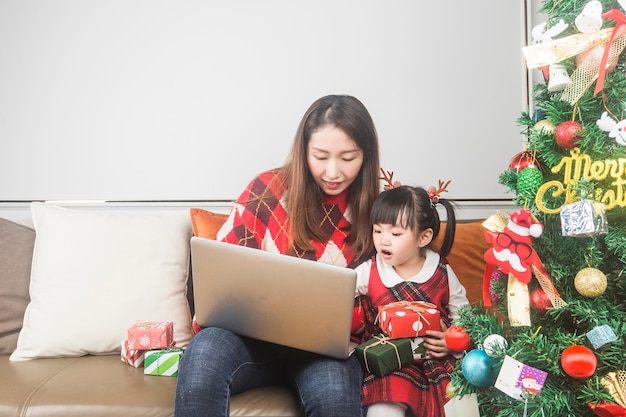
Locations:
{"points": [[162, 362]]}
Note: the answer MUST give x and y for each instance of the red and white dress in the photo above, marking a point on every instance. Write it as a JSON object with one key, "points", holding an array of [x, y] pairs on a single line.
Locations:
{"points": [[421, 385]]}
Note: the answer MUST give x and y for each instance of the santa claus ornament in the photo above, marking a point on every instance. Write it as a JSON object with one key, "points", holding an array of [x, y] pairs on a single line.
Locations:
{"points": [[513, 254], [512, 248]]}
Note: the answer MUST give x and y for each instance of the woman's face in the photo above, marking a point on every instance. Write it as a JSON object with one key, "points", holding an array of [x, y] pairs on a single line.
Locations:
{"points": [[334, 159]]}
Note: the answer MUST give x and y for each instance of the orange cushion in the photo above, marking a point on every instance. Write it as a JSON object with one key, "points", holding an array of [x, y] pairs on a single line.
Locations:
{"points": [[206, 223], [466, 256]]}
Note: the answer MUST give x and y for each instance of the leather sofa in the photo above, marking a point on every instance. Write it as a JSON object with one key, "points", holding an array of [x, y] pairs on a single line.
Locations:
{"points": [[102, 385]]}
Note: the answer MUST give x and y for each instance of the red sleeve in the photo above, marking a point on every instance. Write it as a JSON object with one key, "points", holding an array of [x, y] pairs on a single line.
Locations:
{"points": [[257, 215]]}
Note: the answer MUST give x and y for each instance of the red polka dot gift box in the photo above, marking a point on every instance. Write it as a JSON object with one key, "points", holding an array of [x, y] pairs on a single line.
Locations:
{"points": [[408, 319]]}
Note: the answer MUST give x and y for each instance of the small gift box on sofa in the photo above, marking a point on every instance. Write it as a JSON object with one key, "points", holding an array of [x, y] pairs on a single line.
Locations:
{"points": [[381, 355], [408, 319], [162, 362], [132, 357], [146, 335]]}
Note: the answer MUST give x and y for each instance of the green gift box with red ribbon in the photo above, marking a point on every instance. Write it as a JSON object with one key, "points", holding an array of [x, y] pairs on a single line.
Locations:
{"points": [[381, 355]]}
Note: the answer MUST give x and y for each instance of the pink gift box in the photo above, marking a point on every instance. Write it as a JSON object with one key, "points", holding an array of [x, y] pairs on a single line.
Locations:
{"points": [[408, 319], [134, 358], [146, 335]]}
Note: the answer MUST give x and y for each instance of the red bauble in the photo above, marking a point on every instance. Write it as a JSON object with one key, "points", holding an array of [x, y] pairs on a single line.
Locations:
{"points": [[522, 160], [539, 300], [567, 134], [579, 361], [457, 338]]}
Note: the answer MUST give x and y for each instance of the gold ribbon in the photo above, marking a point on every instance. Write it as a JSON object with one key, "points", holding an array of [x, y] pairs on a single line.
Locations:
{"points": [[615, 384], [381, 340], [547, 53], [518, 302], [590, 69]]}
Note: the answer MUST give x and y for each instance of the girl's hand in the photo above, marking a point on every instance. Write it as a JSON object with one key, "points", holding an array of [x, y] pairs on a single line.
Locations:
{"points": [[435, 342]]}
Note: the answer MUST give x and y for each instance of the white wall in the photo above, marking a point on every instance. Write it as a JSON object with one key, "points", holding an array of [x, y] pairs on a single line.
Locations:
{"points": [[187, 100]]}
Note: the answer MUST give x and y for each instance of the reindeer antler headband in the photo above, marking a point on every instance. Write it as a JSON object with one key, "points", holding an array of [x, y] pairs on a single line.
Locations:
{"points": [[435, 192], [388, 177]]}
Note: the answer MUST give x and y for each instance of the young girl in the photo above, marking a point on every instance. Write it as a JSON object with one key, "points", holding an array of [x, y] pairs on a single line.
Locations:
{"points": [[316, 207], [406, 268]]}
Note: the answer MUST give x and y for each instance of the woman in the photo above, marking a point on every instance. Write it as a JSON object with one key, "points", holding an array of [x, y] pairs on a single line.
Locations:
{"points": [[316, 206]]}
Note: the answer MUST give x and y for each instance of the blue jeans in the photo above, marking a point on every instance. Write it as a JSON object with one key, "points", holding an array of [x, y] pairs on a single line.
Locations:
{"points": [[218, 363]]}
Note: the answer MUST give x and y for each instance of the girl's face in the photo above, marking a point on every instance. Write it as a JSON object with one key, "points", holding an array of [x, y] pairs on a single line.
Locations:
{"points": [[334, 159], [400, 247]]}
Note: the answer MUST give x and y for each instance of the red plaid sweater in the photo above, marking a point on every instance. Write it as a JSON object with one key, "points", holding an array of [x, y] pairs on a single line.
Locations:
{"points": [[259, 219]]}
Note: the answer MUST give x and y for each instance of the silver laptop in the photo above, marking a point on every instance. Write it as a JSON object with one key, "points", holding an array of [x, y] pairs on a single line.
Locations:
{"points": [[277, 298]]}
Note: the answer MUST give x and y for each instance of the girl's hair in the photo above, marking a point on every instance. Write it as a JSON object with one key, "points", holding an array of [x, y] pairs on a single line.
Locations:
{"points": [[302, 192], [412, 208]]}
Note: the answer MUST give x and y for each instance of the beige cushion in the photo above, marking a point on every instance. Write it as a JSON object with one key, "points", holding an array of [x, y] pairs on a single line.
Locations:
{"points": [[16, 253], [94, 274]]}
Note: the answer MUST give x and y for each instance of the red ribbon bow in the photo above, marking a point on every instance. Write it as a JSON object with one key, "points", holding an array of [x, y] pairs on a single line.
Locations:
{"points": [[608, 410], [620, 19]]}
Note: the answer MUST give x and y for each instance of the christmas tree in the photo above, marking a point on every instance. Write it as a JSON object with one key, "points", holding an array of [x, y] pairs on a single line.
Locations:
{"points": [[554, 307]]}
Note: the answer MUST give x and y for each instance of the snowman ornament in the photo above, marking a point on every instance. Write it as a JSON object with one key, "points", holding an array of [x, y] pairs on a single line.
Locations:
{"points": [[616, 130]]}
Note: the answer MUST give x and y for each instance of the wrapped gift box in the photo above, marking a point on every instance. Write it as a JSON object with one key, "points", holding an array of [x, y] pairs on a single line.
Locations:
{"points": [[408, 319], [381, 355], [162, 362], [132, 357], [146, 335], [419, 351], [583, 218]]}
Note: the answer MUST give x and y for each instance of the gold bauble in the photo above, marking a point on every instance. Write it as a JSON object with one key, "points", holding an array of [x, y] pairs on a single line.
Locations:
{"points": [[545, 126], [590, 282], [450, 391]]}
